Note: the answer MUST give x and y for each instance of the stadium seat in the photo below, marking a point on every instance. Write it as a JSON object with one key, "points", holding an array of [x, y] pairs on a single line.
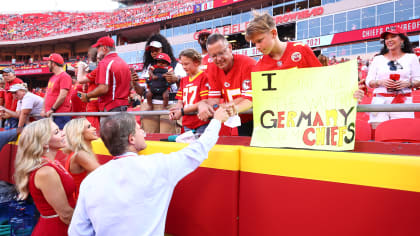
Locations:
{"points": [[363, 130], [367, 99], [416, 99], [399, 130]]}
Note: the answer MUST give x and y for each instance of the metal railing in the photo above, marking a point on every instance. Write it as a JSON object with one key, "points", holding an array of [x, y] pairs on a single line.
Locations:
{"points": [[360, 108]]}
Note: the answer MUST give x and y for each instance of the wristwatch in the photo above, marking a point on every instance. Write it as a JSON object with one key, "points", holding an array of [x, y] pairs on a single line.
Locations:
{"points": [[53, 109]]}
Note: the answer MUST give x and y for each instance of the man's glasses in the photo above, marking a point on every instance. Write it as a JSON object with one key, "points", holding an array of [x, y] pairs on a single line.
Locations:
{"points": [[394, 65], [219, 54]]}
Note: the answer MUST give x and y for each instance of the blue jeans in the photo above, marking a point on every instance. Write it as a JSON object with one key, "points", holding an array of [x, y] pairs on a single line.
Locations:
{"points": [[7, 136], [60, 121], [11, 123]]}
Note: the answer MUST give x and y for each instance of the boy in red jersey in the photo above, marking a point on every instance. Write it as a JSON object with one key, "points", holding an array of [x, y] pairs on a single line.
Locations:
{"points": [[278, 55], [229, 78], [193, 88]]}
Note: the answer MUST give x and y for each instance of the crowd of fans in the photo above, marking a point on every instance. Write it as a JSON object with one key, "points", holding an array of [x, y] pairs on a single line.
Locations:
{"points": [[38, 25]]}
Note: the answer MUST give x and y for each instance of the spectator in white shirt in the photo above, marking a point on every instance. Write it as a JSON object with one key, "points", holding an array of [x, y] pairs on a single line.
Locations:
{"points": [[28, 105], [130, 194]]}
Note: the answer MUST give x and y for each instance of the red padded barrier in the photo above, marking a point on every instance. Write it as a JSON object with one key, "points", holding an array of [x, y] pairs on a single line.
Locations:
{"points": [[276, 205], [205, 203]]}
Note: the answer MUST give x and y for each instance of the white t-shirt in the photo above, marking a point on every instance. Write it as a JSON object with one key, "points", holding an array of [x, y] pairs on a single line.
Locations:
{"points": [[31, 101], [407, 66]]}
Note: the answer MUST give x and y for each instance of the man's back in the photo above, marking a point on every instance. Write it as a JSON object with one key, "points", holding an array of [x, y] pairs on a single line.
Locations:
{"points": [[114, 72]]}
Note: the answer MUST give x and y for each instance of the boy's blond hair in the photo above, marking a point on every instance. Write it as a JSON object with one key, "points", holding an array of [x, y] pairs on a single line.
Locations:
{"points": [[192, 54], [261, 23]]}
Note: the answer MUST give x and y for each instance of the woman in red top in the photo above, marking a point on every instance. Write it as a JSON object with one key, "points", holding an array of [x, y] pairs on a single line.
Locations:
{"points": [[81, 159], [38, 173]]}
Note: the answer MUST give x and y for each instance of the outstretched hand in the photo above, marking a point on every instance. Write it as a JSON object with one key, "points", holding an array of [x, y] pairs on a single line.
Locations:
{"points": [[221, 114]]}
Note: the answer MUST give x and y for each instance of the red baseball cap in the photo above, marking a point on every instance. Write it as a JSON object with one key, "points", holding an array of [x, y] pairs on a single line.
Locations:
{"points": [[55, 57], [104, 41], [393, 30], [164, 57]]}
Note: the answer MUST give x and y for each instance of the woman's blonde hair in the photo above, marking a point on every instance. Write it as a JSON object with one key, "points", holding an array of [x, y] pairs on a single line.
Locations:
{"points": [[261, 23], [74, 137], [29, 153]]}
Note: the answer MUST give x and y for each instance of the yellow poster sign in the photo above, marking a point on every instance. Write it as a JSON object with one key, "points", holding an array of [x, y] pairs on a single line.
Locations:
{"points": [[305, 108]]}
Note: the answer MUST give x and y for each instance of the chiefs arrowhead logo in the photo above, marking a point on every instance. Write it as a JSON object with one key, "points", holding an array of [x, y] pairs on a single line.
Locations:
{"points": [[246, 84], [296, 56]]}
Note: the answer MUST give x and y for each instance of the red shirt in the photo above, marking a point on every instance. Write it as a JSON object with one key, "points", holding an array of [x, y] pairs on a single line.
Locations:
{"points": [[205, 61], [92, 106], [191, 91], [236, 83], [296, 55], [2, 91], [55, 84], [9, 102], [77, 104], [114, 72]]}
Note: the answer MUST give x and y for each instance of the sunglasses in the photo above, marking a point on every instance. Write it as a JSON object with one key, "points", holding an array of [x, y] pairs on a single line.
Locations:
{"points": [[394, 65]]}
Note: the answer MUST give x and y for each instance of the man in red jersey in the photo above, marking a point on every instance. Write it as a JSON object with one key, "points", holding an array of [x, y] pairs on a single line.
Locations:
{"points": [[112, 79], [229, 78], [58, 97], [10, 103]]}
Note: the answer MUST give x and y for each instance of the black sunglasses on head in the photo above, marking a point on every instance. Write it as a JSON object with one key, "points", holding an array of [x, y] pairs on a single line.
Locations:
{"points": [[394, 65]]}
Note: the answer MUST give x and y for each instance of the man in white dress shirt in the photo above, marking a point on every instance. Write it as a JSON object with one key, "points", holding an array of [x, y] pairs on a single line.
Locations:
{"points": [[130, 194]]}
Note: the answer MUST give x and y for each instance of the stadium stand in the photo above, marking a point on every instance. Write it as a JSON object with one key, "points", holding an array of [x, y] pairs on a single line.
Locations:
{"points": [[15, 27]]}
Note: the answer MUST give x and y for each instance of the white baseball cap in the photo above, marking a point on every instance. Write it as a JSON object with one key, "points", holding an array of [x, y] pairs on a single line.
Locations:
{"points": [[154, 44], [17, 87]]}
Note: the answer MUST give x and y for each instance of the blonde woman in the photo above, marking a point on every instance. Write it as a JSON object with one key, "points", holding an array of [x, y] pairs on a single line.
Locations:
{"points": [[81, 159], [38, 173]]}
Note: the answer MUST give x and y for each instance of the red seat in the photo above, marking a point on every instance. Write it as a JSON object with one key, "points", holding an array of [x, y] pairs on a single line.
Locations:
{"points": [[399, 130], [363, 130], [364, 115], [416, 99]]}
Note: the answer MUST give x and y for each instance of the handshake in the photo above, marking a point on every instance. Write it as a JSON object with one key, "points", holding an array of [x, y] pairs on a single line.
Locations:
{"points": [[205, 111]]}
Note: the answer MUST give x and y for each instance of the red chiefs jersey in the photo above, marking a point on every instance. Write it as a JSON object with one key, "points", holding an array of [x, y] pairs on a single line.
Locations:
{"points": [[296, 55], [236, 83], [191, 91]]}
